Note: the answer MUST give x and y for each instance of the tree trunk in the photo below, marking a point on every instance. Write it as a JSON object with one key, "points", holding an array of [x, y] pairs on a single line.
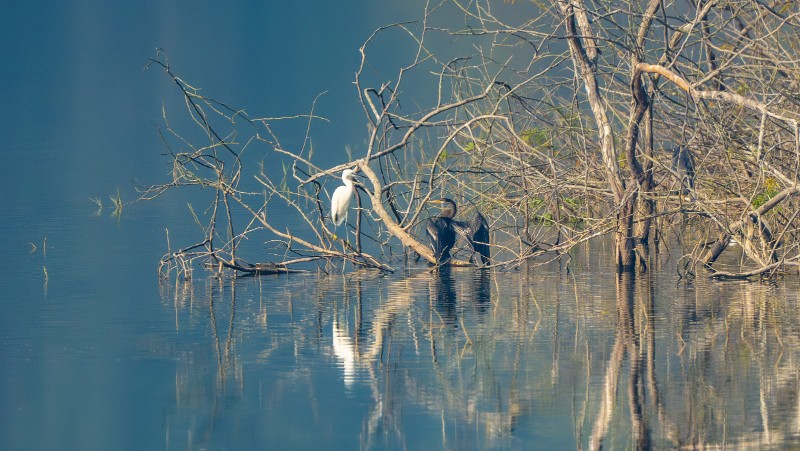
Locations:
{"points": [[584, 55]]}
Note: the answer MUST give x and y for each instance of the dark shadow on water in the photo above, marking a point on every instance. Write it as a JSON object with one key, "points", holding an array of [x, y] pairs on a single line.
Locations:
{"points": [[443, 295], [482, 290]]}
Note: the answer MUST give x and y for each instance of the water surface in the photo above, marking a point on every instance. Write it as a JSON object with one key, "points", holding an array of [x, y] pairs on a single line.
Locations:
{"points": [[104, 354], [97, 352]]}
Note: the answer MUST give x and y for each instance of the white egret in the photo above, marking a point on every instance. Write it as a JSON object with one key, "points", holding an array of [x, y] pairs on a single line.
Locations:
{"points": [[340, 201]]}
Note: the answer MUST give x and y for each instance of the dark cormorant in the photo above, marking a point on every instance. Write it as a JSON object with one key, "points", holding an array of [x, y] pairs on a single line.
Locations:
{"points": [[683, 165], [477, 233], [442, 232]]}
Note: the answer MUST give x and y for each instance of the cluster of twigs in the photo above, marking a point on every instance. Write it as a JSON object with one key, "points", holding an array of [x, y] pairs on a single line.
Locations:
{"points": [[556, 124]]}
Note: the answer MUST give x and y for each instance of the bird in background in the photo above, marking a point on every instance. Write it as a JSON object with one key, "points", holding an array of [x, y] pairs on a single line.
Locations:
{"points": [[443, 230], [340, 201], [683, 165]]}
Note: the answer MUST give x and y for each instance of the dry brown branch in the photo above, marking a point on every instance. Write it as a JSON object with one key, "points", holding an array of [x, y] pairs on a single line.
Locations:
{"points": [[725, 96], [394, 228]]}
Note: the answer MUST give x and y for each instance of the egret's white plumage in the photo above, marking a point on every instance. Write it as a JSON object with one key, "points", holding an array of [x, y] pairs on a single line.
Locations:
{"points": [[340, 201]]}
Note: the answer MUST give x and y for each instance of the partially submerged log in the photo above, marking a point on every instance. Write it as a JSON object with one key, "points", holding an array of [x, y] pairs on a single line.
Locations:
{"points": [[257, 269]]}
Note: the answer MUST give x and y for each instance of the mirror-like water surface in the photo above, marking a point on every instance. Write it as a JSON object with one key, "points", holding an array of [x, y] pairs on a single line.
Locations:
{"points": [[460, 359], [97, 353], [467, 359]]}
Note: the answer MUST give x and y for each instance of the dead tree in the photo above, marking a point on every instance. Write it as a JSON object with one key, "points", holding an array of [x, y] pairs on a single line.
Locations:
{"points": [[554, 127]]}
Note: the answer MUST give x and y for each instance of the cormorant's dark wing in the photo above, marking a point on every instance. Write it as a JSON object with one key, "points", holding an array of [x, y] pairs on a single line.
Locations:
{"points": [[442, 236], [463, 230], [479, 229], [683, 164], [476, 233], [690, 167], [433, 236]]}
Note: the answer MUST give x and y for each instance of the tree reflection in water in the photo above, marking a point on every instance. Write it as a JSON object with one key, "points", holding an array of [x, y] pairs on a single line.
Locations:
{"points": [[466, 358]]}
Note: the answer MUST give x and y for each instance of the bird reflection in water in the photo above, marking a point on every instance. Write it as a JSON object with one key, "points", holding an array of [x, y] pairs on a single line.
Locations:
{"points": [[354, 352], [443, 295], [345, 351], [481, 291]]}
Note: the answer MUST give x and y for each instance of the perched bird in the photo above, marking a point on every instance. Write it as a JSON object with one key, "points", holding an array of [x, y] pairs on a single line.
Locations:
{"points": [[683, 165], [442, 233], [477, 234], [340, 201]]}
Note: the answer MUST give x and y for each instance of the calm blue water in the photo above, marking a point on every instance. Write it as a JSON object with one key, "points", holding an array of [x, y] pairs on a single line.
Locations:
{"points": [[97, 352]]}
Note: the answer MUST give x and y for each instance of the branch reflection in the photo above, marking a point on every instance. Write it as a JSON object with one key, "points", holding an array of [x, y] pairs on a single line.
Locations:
{"points": [[476, 358]]}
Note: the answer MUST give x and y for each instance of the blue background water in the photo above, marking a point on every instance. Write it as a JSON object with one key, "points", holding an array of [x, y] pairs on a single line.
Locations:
{"points": [[96, 352]]}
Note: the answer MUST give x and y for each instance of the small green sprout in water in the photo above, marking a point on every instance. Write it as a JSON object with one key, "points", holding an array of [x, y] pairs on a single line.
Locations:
{"points": [[99, 202], [35, 248], [284, 186], [194, 216], [44, 255], [117, 201]]}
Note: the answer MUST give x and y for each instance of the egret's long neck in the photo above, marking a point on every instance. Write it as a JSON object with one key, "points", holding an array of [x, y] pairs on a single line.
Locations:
{"points": [[347, 182]]}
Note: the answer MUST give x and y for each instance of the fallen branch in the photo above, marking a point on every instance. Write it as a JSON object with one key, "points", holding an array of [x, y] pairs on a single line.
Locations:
{"points": [[394, 228], [747, 274], [258, 269]]}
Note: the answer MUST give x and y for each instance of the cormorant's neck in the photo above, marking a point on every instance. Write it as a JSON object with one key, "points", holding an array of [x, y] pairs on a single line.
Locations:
{"points": [[449, 213]]}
